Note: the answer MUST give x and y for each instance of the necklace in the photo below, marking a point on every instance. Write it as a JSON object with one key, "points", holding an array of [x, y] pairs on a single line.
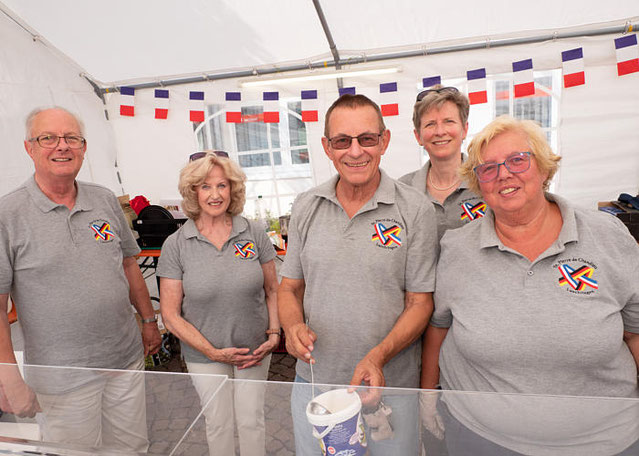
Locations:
{"points": [[443, 189]]}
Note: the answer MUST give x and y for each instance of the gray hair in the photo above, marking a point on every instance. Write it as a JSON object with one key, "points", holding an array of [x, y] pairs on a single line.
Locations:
{"points": [[33, 114]]}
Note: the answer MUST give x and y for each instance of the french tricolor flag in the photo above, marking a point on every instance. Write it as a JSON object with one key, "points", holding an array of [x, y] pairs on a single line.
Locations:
{"points": [[349, 90], [196, 109], [431, 81], [388, 99], [627, 54], [271, 107], [309, 106], [127, 101], [523, 79], [477, 86], [233, 107], [573, 65], [161, 103]]}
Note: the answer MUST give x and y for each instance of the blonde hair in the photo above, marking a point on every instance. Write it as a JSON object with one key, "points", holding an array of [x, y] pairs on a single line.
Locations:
{"points": [[195, 173], [547, 161]]}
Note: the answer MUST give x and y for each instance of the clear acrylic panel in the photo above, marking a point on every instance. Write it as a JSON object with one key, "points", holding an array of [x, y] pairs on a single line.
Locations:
{"points": [[189, 414]]}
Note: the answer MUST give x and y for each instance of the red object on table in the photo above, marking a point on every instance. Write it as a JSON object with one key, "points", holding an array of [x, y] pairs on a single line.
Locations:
{"points": [[138, 203]]}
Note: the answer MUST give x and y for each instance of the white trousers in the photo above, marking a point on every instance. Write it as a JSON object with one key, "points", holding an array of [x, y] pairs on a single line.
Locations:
{"points": [[108, 413], [241, 403]]}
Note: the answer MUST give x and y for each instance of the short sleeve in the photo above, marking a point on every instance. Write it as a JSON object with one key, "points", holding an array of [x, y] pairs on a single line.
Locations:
{"points": [[6, 268], [630, 311], [442, 316], [264, 245], [169, 264], [127, 241], [292, 267], [423, 250]]}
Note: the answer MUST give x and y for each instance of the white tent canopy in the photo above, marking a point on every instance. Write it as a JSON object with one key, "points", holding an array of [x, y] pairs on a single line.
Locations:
{"points": [[51, 50], [151, 39]]}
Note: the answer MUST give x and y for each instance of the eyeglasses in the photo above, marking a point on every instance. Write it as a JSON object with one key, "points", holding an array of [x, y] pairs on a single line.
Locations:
{"points": [[423, 93], [365, 140], [198, 155], [516, 163], [51, 141]]}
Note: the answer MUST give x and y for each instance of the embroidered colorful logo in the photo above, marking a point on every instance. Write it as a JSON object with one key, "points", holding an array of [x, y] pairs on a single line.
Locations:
{"points": [[244, 251], [577, 279], [387, 236], [471, 212], [102, 230]]}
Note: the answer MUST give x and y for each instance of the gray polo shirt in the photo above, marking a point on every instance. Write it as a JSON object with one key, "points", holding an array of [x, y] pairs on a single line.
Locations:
{"points": [[553, 326], [461, 206], [356, 273], [64, 270], [223, 289]]}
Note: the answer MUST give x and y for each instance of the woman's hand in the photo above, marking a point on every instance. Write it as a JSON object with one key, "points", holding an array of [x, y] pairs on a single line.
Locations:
{"points": [[236, 357], [267, 347]]}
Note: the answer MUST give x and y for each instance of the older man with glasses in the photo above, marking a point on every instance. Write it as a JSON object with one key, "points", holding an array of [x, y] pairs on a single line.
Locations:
{"points": [[358, 277], [67, 257]]}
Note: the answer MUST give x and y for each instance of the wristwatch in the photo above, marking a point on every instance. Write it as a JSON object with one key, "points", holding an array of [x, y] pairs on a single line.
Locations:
{"points": [[153, 319], [277, 331]]}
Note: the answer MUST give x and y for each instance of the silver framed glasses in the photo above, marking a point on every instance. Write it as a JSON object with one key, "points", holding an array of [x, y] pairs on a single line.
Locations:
{"points": [[52, 141], [365, 140], [515, 163]]}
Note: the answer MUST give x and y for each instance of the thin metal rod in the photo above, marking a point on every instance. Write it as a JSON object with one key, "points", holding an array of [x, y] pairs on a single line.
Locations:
{"points": [[390, 56], [327, 32]]}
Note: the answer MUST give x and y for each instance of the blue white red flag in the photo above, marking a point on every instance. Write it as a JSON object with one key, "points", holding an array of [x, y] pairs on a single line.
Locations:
{"points": [[161, 97], [523, 80], [477, 86], [573, 66], [271, 107], [310, 106], [127, 101], [627, 54], [233, 107], [196, 106], [388, 99]]}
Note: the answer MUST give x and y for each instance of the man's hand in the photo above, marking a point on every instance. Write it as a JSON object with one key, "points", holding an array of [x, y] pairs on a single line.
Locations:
{"points": [[151, 338], [19, 400], [428, 413], [370, 373], [299, 342]]}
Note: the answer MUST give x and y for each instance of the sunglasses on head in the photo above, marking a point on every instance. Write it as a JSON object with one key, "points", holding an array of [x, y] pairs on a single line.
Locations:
{"points": [[423, 93], [198, 155]]}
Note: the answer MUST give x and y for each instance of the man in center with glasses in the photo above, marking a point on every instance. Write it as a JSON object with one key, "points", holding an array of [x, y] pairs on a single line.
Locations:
{"points": [[67, 257], [357, 282]]}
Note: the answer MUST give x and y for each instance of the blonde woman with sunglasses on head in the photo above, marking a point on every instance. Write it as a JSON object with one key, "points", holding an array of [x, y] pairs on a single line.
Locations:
{"points": [[218, 295]]}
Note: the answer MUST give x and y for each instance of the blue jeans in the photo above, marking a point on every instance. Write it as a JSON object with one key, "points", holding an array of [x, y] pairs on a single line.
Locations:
{"points": [[404, 420]]}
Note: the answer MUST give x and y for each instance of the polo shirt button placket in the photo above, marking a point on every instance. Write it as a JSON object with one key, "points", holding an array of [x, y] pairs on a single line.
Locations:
{"points": [[70, 228]]}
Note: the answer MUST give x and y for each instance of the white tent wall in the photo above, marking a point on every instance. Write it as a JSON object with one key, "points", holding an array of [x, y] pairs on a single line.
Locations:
{"points": [[598, 129], [31, 76]]}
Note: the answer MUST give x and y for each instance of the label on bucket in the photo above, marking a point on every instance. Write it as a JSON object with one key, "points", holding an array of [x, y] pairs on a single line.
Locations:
{"points": [[345, 439]]}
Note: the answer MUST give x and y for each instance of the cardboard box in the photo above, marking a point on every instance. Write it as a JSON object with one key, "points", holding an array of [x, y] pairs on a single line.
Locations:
{"points": [[129, 213]]}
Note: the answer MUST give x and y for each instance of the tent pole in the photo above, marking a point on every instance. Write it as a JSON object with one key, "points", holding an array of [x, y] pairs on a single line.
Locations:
{"points": [[329, 38], [327, 32], [620, 29]]}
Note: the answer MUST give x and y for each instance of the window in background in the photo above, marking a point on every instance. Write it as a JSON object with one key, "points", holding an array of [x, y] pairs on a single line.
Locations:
{"points": [[274, 156], [542, 107]]}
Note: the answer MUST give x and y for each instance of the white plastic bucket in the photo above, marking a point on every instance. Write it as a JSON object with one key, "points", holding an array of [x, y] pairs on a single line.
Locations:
{"points": [[340, 432]]}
